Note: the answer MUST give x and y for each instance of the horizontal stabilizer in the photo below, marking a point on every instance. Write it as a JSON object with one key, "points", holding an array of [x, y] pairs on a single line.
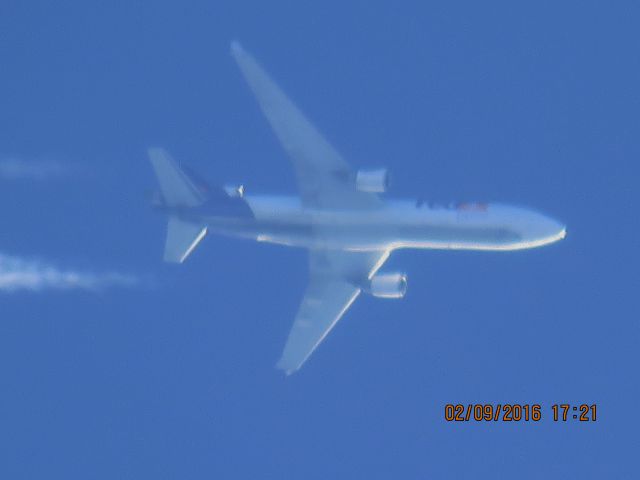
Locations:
{"points": [[182, 239], [177, 188]]}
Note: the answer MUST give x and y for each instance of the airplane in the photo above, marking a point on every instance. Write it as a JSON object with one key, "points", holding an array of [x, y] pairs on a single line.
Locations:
{"points": [[339, 216]]}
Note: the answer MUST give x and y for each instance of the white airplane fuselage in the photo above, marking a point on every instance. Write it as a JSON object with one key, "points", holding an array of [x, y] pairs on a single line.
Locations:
{"points": [[348, 228], [395, 224]]}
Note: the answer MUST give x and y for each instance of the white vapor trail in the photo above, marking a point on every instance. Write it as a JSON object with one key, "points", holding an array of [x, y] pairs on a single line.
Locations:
{"points": [[12, 168], [18, 274]]}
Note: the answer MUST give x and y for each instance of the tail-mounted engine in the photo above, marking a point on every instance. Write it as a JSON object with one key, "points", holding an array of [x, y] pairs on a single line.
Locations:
{"points": [[388, 285], [372, 181], [234, 190]]}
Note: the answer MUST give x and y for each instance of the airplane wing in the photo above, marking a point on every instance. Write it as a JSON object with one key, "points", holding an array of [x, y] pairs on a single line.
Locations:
{"points": [[333, 287], [324, 178]]}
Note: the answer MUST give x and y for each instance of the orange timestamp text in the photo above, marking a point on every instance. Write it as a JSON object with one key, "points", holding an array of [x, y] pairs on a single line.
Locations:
{"points": [[516, 412]]}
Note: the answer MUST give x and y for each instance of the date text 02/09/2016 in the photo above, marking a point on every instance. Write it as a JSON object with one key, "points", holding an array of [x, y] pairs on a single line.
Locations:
{"points": [[515, 412]]}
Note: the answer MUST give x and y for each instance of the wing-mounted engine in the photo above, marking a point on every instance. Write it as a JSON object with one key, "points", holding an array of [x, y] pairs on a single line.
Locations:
{"points": [[388, 285], [372, 181]]}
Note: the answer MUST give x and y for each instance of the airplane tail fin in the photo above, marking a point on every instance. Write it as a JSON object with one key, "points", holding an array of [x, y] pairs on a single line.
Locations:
{"points": [[178, 190]]}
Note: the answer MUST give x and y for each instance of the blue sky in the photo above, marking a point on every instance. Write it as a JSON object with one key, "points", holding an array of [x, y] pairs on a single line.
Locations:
{"points": [[173, 377]]}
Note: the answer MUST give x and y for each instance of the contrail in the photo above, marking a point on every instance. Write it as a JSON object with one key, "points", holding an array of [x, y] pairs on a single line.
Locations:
{"points": [[18, 274], [12, 168]]}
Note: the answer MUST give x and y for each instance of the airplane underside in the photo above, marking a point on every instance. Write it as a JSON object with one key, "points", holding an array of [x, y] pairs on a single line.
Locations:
{"points": [[348, 229]]}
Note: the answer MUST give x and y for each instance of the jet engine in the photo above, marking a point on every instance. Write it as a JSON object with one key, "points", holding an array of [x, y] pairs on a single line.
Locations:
{"points": [[372, 181], [234, 191], [388, 285]]}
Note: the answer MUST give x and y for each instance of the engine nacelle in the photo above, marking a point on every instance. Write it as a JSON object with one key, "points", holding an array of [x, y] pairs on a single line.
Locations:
{"points": [[388, 285], [234, 191], [372, 181]]}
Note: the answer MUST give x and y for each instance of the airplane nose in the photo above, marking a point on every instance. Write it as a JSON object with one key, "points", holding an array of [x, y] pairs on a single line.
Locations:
{"points": [[559, 228], [539, 229], [533, 228], [563, 232], [553, 230]]}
